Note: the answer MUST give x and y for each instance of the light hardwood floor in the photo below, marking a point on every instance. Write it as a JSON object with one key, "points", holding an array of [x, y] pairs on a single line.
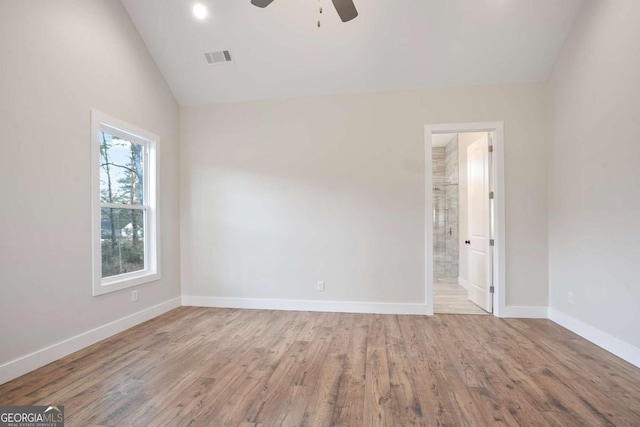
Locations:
{"points": [[217, 367], [451, 298]]}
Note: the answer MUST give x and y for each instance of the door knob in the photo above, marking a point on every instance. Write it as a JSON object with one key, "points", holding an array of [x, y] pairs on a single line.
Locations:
{"points": [[467, 242]]}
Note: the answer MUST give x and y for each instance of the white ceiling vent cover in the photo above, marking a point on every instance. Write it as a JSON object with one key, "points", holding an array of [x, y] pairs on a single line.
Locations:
{"points": [[219, 57]]}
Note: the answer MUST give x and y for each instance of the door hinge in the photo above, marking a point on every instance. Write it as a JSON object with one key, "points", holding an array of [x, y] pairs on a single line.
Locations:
{"points": [[491, 194], [492, 289], [491, 148], [492, 242]]}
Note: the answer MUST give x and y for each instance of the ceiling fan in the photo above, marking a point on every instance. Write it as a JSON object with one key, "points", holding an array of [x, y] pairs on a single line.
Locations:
{"points": [[346, 9]]}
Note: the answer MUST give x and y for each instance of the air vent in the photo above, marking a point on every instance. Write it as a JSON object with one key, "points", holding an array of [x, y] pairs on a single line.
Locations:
{"points": [[219, 57]]}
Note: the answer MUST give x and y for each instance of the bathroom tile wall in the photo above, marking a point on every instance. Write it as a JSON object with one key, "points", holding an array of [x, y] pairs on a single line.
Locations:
{"points": [[439, 204], [438, 162], [445, 205], [452, 195]]}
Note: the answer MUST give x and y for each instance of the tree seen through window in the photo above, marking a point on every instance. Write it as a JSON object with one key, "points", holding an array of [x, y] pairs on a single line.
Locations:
{"points": [[122, 205]]}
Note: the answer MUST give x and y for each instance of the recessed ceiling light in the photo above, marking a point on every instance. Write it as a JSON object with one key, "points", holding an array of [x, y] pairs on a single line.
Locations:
{"points": [[200, 11]]}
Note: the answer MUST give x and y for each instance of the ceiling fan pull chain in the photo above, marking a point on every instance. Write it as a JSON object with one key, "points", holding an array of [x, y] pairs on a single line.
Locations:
{"points": [[320, 10]]}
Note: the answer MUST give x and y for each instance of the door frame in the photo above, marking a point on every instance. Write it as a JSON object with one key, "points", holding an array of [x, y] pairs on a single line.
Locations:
{"points": [[499, 229]]}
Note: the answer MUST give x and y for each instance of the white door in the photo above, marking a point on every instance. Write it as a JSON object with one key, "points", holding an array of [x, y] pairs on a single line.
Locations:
{"points": [[479, 223]]}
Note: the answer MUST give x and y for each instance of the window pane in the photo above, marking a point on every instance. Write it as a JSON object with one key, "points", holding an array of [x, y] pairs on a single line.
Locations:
{"points": [[121, 170], [122, 241]]}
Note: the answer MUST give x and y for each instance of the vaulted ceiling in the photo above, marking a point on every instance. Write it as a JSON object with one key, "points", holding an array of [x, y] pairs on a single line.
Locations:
{"points": [[279, 51]]}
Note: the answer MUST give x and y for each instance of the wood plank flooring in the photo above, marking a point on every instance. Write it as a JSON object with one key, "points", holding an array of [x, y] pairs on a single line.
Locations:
{"points": [[218, 367]]}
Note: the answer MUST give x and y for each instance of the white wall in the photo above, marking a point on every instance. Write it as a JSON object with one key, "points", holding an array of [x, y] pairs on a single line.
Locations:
{"points": [[59, 60], [464, 140], [594, 178], [277, 195]]}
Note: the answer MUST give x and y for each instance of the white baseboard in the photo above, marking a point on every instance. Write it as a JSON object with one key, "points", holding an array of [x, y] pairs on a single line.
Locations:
{"points": [[306, 305], [525, 312], [37, 359], [614, 345], [464, 282]]}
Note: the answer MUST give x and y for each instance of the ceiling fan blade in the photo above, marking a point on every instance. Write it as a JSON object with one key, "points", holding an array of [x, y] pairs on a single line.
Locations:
{"points": [[261, 3], [346, 9]]}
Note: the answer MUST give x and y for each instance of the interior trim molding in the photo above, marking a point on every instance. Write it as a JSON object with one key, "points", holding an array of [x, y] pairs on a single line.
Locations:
{"points": [[306, 305], [22, 365], [613, 345], [525, 312]]}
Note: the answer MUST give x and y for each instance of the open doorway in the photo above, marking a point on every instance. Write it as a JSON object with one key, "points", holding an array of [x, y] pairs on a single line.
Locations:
{"points": [[453, 291], [465, 225]]}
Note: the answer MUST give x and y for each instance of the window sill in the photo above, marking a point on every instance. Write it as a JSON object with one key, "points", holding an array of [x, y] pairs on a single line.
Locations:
{"points": [[123, 281]]}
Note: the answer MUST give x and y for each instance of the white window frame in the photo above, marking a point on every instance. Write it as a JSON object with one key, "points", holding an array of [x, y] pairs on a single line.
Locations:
{"points": [[101, 122]]}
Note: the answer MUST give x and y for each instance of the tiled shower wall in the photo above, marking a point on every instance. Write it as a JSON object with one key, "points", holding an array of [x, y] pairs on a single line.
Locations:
{"points": [[445, 205], [439, 203]]}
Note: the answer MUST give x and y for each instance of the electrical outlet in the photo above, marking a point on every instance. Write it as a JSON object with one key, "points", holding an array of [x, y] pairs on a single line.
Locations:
{"points": [[134, 295], [570, 297], [320, 286]]}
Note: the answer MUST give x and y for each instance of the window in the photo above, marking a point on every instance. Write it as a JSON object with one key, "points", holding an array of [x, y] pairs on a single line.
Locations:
{"points": [[125, 215]]}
